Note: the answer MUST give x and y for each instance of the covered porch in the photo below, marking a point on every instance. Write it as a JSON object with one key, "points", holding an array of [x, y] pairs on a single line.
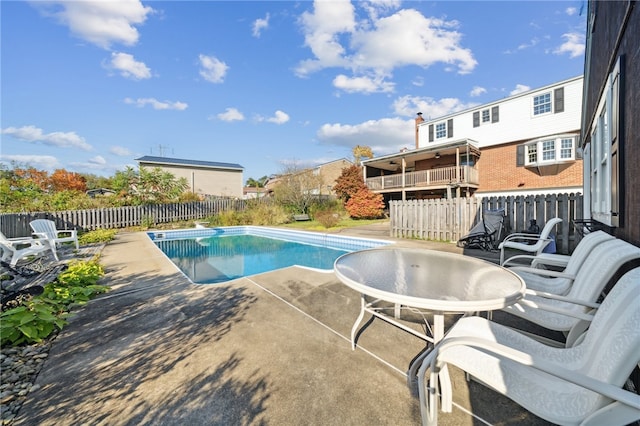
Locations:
{"points": [[439, 171]]}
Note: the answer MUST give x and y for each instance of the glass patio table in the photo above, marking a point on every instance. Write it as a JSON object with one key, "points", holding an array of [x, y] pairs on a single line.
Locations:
{"points": [[438, 282]]}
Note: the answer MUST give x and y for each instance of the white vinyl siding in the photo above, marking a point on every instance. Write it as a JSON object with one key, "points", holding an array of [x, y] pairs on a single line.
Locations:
{"points": [[516, 120]]}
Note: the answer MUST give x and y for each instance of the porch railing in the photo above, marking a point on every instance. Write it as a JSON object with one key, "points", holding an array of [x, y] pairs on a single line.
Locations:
{"points": [[425, 178]]}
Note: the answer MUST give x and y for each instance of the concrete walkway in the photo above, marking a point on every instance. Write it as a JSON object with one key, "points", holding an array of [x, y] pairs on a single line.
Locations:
{"points": [[272, 349]]}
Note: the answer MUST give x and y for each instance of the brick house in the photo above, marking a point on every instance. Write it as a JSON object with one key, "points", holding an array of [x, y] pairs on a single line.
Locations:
{"points": [[611, 111], [520, 145], [203, 177]]}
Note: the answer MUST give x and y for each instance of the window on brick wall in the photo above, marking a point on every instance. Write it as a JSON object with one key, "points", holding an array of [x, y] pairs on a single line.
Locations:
{"points": [[547, 151]]}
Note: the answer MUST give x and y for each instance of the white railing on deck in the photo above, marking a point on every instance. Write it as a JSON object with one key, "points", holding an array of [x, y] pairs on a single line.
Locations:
{"points": [[425, 178]]}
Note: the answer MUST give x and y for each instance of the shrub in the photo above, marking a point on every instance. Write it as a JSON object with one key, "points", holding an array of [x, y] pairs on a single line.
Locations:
{"points": [[36, 318], [265, 214], [327, 218], [97, 236], [365, 204]]}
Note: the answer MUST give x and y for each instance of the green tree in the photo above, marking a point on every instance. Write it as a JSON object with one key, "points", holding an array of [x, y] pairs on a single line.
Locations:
{"points": [[256, 183], [148, 186]]}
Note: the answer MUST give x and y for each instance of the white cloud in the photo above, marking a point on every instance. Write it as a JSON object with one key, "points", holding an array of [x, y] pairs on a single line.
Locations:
{"points": [[477, 91], [382, 136], [213, 69], [156, 104], [520, 88], [231, 114], [571, 11], [102, 23], [120, 151], [574, 45], [98, 159], [59, 139], [377, 45], [259, 25], [362, 84], [409, 105], [46, 162], [279, 117], [129, 67]]}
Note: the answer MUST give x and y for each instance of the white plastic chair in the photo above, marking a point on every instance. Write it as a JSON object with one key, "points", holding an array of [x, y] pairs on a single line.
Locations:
{"points": [[559, 282], [563, 312], [579, 385], [15, 249], [519, 240], [46, 230]]}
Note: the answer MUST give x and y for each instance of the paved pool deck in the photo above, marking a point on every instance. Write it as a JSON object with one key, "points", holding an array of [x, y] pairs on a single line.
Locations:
{"points": [[271, 349]]}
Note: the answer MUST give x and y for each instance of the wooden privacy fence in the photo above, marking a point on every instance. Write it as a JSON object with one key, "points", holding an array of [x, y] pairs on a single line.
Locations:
{"points": [[451, 219], [17, 224]]}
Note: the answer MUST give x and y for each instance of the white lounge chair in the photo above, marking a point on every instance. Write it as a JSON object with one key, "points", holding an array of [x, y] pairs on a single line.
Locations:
{"points": [[46, 230], [529, 243], [563, 312], [580, 385], [558, 282], [15, 249]]}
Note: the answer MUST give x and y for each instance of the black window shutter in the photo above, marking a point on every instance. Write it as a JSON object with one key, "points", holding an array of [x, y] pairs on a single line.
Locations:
{"points": [[558, 100], [430, 132], [450, 128], [617, 138], [476, 119], [520, 156], [495, 114]]}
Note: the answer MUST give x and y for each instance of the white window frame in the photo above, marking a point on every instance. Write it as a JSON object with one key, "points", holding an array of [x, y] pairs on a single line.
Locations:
{"points": [[536, 151], [535, 104], [485, 116], [440, 130], [600, 159]]}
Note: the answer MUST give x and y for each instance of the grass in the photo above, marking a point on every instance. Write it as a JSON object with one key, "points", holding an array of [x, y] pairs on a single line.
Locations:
{"points": [[313, 225]]}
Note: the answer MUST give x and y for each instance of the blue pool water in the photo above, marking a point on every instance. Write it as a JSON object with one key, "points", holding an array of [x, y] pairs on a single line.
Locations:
{"points": [[217, 255]]}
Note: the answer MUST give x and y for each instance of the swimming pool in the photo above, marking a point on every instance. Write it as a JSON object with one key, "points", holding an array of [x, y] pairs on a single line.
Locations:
{"points": [[215, 255]]}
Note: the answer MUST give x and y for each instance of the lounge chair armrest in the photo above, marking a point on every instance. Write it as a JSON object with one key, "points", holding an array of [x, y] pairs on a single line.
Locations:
{"points": [[562, 298], [608, 390], [72, 232], [551, 308], [542, 272], [524, 238]]}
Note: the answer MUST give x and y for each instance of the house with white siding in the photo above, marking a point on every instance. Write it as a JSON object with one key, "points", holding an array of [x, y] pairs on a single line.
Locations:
{"points": [[523, 144], [204, 177]]}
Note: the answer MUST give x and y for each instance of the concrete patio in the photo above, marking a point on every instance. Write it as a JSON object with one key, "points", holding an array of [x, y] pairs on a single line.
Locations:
{"points": [[269, 349]]}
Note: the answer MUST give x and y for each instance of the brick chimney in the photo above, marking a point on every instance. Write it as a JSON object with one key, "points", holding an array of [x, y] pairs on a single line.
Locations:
{"points": [[419, 120]]}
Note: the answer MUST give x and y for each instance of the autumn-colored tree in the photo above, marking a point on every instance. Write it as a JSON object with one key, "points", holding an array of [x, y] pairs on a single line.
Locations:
{"points": [[62, 180], [360, 151], [32, 176], [365, 204], [349, 182]]}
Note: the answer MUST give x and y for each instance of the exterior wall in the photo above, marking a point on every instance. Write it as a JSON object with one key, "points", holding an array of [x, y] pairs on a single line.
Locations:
{"points": [[206, 181], [509, 177], [610, 28], [516, 120], [330, 172]]}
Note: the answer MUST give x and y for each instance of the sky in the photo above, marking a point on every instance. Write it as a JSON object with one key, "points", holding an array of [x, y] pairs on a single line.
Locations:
{"points": [[89, 86]]}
